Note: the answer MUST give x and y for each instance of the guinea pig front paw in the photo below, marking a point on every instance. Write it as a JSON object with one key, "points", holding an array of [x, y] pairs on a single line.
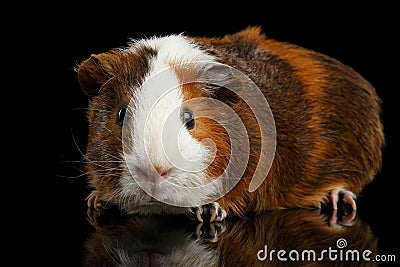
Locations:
{"points": [[213, 211], [341, 194]]}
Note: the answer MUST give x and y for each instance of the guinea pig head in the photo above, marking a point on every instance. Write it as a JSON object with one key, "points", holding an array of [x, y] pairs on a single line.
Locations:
{"points": [[157, 141]]}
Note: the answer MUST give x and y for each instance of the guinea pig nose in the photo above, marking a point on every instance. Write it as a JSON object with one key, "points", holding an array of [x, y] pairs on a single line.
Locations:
{"points": [[163, 172], [157, 171]]}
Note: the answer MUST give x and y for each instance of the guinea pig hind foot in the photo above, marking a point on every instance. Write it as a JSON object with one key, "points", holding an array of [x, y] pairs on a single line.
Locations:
{"points": [[347, 197]]}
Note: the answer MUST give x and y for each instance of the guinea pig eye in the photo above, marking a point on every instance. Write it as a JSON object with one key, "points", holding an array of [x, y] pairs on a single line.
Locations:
{"points": [[121, 115], [188, 119]]}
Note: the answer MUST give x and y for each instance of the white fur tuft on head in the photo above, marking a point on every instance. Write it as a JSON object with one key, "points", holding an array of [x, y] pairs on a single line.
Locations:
{"points": [[160, 141]]}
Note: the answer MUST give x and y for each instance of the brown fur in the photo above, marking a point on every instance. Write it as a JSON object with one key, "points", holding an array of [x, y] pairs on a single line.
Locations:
{"points": [[107, 79], [327, 117]]}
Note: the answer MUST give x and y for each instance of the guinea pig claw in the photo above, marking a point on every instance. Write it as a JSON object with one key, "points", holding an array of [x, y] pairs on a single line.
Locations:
{"points": [[94, 201], [199, 211], [213, 215], [217, 213], [348, 197]]}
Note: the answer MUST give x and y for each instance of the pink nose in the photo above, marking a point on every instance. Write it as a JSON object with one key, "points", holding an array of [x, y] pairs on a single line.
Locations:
{"points": [[165, 174], [145, 174]]}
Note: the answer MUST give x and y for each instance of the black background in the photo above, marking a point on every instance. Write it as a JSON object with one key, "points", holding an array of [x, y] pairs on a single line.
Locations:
{"points": [[46, 114]]}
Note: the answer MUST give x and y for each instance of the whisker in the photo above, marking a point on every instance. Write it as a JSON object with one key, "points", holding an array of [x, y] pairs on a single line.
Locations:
{"points": [[72, 177], [119, 158], [69, 162], [96, 161]]}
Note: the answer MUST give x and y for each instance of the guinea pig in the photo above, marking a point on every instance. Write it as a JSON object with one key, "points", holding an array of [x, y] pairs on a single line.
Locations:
{"points": [[165, 126]]}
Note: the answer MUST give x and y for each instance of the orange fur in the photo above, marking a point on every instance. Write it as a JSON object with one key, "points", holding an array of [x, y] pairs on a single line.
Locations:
{"points": [[329, 132]]}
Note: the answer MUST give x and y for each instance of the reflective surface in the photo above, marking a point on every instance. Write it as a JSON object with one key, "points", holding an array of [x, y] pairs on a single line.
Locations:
{"points": [[275, 238]]}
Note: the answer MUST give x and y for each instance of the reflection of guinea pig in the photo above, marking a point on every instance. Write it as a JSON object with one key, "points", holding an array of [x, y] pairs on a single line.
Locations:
{"points": [[329, 135], [303, 234], [147, 241]]}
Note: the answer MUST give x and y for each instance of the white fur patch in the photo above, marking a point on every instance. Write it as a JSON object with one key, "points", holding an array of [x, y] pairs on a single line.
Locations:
{"points": [[159, 138]]}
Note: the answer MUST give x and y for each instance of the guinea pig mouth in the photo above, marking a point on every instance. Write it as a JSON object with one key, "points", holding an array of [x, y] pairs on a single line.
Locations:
{"points": [[152, 197]]}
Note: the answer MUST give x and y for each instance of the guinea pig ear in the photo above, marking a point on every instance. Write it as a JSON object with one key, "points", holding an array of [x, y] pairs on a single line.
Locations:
{"points": [[225, 95], [219, 78], [93, 73]]}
